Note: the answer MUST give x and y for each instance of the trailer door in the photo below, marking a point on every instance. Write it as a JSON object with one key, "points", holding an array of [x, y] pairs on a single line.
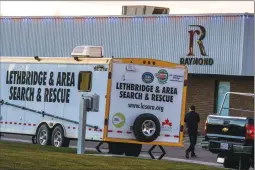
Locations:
{"points": [[140, 89]]}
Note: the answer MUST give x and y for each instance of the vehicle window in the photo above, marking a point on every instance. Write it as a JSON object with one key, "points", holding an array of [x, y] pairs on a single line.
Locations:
{"points": [[85, 81]]}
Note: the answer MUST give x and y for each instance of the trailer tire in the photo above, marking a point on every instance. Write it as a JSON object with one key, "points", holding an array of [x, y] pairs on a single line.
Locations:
{"points": [[58, 138], [140, 124], [116, 148], [43, 135], [133, 149]]}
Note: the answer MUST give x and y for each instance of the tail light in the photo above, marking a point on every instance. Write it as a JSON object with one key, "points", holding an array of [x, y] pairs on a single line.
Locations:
{"points": [[249, 132], [205, 127]]}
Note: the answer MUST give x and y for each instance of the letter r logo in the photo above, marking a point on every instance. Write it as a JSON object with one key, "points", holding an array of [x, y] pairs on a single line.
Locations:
{"points": [[201, 33]]}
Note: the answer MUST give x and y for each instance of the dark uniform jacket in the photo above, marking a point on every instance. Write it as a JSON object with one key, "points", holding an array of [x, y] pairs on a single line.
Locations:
{"points": [[192, 119]]}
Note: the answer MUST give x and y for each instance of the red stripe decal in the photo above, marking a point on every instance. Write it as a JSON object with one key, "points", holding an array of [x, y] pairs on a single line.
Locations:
{"points": [[176, 136], [29, 124], [90, 129], [128, 132], [1, 122], [95, 129], [167, 135], [34, 124], [15, 123], [118, 131], [109, 130], [24, 124], [101, 130], [10, 122]]}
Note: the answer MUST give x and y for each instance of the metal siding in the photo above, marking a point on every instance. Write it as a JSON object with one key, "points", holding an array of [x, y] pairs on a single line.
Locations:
{"points": [[164, 38], [248, 48]]}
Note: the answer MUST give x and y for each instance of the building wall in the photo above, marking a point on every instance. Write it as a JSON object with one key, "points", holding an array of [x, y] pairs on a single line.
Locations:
{"points": [[160, 37], [245, 85], [201, 93], [248, 48]]}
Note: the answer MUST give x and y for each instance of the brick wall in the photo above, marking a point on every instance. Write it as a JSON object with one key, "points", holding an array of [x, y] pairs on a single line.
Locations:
{"points": [[243, 85], [201, 93]]}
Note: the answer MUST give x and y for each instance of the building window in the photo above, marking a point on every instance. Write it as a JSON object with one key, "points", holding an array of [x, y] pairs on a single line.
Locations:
{"points": [[222, 87], [85, 81]]}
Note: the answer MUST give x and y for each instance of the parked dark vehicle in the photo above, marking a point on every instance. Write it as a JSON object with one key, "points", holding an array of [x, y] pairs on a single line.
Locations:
{"points": [[231, 137]]}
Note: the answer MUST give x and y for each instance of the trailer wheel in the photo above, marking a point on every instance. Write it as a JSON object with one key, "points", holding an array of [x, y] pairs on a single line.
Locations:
{"points": [[58, 139], [116, 148], [146, 127], [133, 149], [43, 135]]}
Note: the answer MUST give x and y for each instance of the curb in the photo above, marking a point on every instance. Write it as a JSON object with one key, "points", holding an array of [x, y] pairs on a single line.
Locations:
{"points": [[185, 141], [147, 157], [186, 136]]}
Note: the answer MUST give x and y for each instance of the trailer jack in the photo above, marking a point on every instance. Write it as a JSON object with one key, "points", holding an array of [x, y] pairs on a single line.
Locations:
{"points": [[149, 151], [161, 148], [98, 146], [34, 140]]}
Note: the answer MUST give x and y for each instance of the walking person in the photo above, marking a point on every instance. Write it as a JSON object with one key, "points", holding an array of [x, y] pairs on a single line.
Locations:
{"points": [[192, 120]]}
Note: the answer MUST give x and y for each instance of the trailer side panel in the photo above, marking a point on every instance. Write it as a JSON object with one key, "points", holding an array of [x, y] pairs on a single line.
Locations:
{"points": [[53, 89]]}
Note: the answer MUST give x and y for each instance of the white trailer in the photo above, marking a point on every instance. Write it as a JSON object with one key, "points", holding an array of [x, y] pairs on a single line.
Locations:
{"points": [[142, 101]]}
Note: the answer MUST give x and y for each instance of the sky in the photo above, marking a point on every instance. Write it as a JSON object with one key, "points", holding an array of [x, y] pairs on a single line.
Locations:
{"points": [[74, 8]]}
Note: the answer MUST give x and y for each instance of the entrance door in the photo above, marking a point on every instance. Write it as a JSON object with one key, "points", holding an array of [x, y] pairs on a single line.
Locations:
{"points": [[222, 89]]}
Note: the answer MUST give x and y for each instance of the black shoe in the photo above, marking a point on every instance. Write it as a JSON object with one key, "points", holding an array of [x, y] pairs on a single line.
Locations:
{"points": [[187, 155], [193, 155]]}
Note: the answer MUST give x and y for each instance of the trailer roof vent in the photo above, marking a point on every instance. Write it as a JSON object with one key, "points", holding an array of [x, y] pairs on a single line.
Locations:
{"points": [[87, 51], [144, 10]]}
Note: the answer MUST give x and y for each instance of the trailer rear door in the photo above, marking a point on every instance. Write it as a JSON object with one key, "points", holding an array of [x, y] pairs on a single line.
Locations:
{"points": [[137, 88]]}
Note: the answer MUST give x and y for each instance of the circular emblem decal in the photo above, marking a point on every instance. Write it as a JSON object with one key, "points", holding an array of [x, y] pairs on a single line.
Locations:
{"points": [[162, 76], [147, 77], [118, 120]]}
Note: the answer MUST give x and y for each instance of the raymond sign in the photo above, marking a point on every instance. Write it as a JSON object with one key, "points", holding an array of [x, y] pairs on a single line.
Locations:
{"points": [[190, 59]]}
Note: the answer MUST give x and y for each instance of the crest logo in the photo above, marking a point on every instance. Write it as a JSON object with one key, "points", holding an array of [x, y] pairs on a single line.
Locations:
{"points": [[147, 77], [162, 76]]}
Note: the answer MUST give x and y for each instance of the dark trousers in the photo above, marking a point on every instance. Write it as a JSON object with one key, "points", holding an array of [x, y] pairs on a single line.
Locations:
{"points": [[193, 142]]}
